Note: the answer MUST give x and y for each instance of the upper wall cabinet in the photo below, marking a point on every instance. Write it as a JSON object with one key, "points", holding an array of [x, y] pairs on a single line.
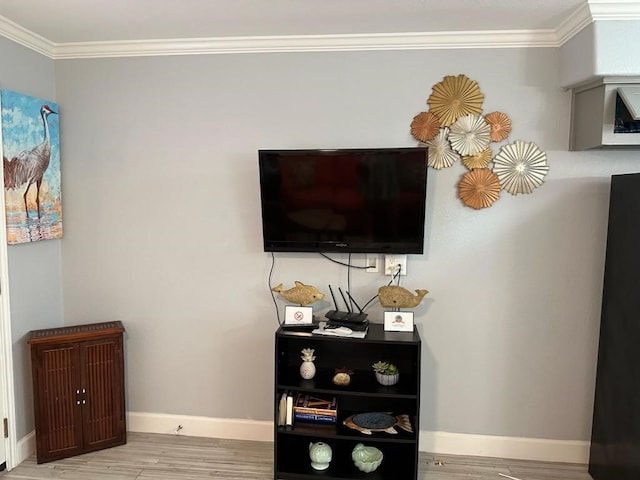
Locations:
{"points": [[606, 114]]}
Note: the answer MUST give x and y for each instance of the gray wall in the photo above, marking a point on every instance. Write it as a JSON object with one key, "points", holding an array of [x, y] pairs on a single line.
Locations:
{"points": [[35, 282], [162, 221]]}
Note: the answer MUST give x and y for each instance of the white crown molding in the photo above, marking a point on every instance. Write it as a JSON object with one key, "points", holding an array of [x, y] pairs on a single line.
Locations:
{"points": [[308, 43], [573, 24], [26, 38], [614, 9], [594, 10]]}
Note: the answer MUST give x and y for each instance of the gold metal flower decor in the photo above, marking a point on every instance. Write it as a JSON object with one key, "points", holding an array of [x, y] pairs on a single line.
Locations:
{"points": [[453, 129], [455, 97]]}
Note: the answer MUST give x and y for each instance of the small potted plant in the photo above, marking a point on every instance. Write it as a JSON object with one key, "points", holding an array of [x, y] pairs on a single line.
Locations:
{"points": [[386, 373]]}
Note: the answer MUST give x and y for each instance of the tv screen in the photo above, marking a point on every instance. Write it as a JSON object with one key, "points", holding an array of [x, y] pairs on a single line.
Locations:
{"points": [[349, 200]]}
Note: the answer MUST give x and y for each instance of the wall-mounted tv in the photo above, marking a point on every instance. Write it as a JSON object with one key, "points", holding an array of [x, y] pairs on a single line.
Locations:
{"points": [[348, 200]]}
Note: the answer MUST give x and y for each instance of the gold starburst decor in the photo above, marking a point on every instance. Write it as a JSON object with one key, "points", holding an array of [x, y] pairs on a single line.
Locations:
{"points": [[455, 97], [469, 135], [521, 167], [425, 126], [454, 129], [479, 188], [440, 153], [479, 160], [500, 125]]}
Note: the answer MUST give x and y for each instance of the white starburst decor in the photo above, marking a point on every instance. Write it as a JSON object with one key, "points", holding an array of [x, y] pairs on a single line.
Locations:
{"points": [[440, 153], [470, 135], [521, 167]]}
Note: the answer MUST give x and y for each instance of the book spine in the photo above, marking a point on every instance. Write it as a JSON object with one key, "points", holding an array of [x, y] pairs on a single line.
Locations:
{"points": [[308, 417], [314, 411], [289, 416]]}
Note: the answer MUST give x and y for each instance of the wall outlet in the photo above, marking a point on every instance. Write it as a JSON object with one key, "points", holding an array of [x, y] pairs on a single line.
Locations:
{"points": [[394, 262], [372, 262]]}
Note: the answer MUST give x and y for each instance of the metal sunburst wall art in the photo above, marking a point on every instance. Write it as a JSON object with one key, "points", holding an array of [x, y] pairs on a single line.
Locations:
{"points": [[454, 129]]}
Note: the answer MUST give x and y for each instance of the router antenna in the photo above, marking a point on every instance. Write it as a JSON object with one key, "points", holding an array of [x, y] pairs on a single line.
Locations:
{"points": [[345, 300], [355, 303], [335, 304]]}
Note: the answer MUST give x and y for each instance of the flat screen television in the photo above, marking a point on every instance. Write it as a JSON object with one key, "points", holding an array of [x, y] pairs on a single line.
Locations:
{"points": [[349, 200]]}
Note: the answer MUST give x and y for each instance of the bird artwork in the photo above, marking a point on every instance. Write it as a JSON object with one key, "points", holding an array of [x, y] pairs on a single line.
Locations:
{"points": [[28, 166], [31, 168]]}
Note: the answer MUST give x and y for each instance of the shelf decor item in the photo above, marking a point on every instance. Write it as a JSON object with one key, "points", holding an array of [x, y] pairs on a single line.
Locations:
{"points": [[320, 454], [342, 378], [308, 368], [455, 97], [394, 296], [371, 422], [366, 459], [397, 321], [301, 294], [386, 373]]}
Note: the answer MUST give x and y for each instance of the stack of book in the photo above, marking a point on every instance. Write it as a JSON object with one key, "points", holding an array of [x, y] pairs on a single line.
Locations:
{"points": [[310, 408]]}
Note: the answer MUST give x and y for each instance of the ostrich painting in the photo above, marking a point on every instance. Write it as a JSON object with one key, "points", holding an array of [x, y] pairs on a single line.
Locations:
{"points": [[31, 168]]}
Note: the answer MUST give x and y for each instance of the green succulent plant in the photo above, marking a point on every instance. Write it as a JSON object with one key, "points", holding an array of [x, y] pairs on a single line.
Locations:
{"points": [[385, 368]]}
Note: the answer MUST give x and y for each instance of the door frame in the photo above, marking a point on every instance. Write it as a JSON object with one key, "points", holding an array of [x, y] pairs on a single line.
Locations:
{"points": [[7, 385]]}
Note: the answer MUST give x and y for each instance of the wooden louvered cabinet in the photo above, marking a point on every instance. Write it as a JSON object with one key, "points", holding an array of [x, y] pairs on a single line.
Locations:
{"points": [[78, 389]]}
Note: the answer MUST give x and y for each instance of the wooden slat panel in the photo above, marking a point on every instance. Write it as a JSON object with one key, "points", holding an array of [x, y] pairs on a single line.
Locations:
{"points": [[59, 390], [101, 404]]}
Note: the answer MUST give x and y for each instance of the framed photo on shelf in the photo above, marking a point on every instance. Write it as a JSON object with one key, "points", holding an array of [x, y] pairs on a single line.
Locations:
{"points": [[398, 321], [296, 315]]}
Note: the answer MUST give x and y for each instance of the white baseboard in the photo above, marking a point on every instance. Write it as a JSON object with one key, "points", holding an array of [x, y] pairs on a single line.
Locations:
{"points": [[26, 448], [443, 443], [234, 428], [568, 451], [523, 448]]}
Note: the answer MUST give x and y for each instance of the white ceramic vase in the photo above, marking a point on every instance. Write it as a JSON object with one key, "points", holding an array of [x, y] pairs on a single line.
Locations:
{"points": [[307, 370], [320, 455]]}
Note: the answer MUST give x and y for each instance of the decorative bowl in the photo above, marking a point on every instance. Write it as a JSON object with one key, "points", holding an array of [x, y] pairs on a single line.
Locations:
{"points": [[387, 380], [366, 459]]}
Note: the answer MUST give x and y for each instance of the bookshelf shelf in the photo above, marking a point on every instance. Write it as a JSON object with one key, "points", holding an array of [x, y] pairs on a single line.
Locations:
{"points": [[362, 395]]}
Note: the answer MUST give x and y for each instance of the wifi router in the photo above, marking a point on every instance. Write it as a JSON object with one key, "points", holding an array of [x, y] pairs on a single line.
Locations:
{"points": [[347, 317]]}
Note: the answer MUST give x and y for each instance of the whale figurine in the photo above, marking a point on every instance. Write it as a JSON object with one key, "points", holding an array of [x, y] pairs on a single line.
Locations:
{"points": [[394, 296], [301, 294]]}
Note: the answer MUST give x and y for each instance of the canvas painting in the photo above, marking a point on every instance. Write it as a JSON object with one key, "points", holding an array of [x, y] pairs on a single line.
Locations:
{"points": [[31, 162]]}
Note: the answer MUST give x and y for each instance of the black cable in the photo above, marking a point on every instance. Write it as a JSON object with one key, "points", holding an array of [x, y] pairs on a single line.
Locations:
{"points": [[273, 297], [349, 280], [345, 264], [397, 274]]}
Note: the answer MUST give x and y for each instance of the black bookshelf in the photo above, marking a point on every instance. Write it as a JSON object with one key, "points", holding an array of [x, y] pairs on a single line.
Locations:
{"points": [[362, 395]]}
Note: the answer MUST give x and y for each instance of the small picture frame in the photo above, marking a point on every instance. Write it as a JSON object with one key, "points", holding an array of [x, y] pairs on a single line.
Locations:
{"points": [[296, 315], [398, 321]]}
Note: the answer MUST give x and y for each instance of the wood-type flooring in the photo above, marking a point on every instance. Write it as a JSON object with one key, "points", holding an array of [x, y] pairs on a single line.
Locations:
{"points": [[178, 457]]}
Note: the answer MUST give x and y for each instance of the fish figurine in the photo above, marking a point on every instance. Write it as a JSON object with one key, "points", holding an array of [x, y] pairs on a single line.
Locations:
{"points": [[394, 296], [301, 294], [373, 422]]}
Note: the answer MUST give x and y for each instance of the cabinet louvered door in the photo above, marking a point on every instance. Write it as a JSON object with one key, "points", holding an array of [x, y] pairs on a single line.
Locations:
{"points": [[59, 411], [78, 389], [102, 407]]}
